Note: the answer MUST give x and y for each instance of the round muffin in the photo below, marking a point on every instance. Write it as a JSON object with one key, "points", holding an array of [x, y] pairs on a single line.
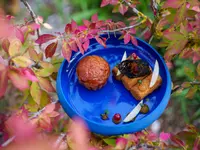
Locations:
{"points": [[93, 72]]}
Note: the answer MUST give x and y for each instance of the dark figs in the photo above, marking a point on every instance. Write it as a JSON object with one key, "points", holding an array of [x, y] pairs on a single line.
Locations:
{"points": [[134, 68], [144, 109]]}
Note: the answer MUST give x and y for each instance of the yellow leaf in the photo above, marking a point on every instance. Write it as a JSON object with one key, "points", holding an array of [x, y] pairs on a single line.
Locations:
{"points": [[22, 61], [15, 46], [36, 92]]}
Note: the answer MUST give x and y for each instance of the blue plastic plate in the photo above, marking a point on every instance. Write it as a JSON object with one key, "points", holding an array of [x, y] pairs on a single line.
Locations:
{"points": [[78, 101]]}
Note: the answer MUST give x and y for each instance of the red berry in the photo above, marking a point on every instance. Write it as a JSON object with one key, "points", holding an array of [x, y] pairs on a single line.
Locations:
{"points": [[117, 118], [134, 55]]}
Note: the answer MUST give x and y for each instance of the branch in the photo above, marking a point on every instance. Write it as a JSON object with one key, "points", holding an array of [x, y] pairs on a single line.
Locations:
{"points": [[154, 7], [121, 29], [33, 15], [178, 87], [138, 12]]}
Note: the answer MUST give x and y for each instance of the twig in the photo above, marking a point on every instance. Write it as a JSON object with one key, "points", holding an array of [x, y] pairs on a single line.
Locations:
{"points": [[34, 116], [178, 87], [154, 6], [138, 12], [33, 15], [59, 139], [121, 29], [143, 32], [150, 40]]}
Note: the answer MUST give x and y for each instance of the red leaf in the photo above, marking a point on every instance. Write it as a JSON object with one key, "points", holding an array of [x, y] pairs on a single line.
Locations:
{"points": [[74, 25], [123, 9], [86, 45], [173, 3], [196, 56], [46, 84], [19, 34], [114, 2], [127, 38], [5, 45], [45, 38], [50, 108], [34, 26], [3, 82], [173, 35], [132, 30], [95, 18], [92, 26], [86, 23], [197, 144], [80, 46], [51, 49], [66, 51], [105, 2], [68, 28], [18, 79], [100, 41], [73, 46], [53, 114], [134, 41], [29, 74], [177, 140]]}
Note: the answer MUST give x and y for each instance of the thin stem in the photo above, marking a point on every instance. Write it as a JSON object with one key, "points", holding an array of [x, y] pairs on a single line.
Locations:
{"points": [[136, 11], [180, 87], [121, 29], [150, 40], [33, 15]]}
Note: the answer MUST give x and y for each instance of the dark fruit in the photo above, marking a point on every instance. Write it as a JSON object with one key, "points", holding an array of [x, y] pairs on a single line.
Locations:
{"points": [[144, 109], [104, 116], [134, 56], [117, 118]]}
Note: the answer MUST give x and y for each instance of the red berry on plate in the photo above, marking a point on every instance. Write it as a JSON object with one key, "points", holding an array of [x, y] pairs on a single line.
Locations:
{"points": [[134, 55], [117, 118]]}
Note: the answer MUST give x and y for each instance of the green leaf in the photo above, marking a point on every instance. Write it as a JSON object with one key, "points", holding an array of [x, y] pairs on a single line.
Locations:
{"points": [[186, 84], [14, 48], [47, 70], [22, 61], [191, 92], [45, 83], [189, 72], [45, 99], [173, 35], [33, 54], [109, 141], [198, 69], [187, 136], [36, 92], [180, 15]]}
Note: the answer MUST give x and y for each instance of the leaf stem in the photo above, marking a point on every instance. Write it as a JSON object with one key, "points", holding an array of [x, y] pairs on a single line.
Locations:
{"points": [[122, 29], [179, 86], [33, 15]]}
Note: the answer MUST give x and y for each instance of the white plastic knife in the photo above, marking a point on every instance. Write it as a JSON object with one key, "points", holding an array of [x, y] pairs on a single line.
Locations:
{"points": [[155, 74], [134, 112], [123, 58]]}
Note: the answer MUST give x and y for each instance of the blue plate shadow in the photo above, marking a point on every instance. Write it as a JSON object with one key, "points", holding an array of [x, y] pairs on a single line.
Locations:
{"points": [[76, 100]]}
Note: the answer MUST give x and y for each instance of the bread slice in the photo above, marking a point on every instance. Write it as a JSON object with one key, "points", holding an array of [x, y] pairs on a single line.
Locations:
{"points": [[130, 82], [141, 90]]}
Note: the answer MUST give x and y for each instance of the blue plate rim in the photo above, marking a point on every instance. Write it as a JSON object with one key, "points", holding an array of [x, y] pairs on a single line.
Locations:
{"points": [[117, 130]]}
